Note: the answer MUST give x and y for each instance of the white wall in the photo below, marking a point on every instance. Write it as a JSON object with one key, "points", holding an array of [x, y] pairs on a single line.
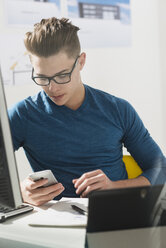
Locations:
{"points": [[135, 73], [162, 47]]}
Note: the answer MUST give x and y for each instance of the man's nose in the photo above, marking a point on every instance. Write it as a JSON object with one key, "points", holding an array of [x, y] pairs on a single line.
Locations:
{"points": [[53, 86]]}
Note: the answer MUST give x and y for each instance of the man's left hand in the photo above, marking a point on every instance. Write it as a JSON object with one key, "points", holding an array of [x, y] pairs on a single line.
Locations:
{"points": [[94, 180]]}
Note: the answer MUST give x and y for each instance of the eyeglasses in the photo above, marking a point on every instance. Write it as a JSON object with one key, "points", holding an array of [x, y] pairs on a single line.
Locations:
{"points": [[63, 78]]}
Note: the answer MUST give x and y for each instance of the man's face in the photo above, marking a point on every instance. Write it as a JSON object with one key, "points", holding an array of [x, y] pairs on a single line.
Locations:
{"points": [[61, 94]]}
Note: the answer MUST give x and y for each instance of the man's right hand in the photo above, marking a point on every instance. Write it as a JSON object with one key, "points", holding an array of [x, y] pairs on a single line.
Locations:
{"points": [[33, 192]]}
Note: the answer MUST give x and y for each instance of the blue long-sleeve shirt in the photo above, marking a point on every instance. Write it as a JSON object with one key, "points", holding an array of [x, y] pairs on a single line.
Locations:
{"points": [[72, 142]]}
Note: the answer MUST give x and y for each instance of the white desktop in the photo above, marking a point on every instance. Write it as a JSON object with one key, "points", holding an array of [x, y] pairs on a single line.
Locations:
{"points": [[17, 233]]}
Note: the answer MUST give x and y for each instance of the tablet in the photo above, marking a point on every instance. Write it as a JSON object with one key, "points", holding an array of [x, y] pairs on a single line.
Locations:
{"points": [[126, 208]]}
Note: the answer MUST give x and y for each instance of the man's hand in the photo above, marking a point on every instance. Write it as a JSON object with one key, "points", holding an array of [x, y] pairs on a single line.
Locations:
{"points": [[33, 192], [94, 180], [97, 180]]}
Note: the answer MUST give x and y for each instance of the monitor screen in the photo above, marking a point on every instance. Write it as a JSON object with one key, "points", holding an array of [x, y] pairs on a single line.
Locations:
{"points": [[10, 194]]}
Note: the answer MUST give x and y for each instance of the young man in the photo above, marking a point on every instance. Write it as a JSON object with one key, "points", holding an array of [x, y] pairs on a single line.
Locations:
{"points": [[76, 131]]}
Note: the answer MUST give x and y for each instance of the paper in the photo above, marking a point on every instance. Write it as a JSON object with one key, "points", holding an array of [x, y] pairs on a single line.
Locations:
{"points": [[60, 213]]}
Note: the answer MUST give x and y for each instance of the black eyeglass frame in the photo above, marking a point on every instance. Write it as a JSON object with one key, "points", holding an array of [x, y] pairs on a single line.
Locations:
{"points": [[52, 78]]}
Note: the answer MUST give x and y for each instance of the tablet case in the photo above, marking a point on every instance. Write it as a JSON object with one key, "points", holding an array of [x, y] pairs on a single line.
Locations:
{"points": [[125, 208]]}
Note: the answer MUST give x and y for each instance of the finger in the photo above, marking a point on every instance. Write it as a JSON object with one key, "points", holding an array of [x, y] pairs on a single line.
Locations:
{"points": [[85, 176], [89, 181], [34, 185], [96, 186], [74, 180], [45, 198], [49, 189]]}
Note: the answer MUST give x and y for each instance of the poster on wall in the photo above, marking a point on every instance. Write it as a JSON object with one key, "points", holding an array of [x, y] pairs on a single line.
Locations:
{"points": [[15, 64], [103, 24], [29, 12]]}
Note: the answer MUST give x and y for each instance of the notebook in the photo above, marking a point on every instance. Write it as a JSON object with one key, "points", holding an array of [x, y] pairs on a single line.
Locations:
{"points": [[61, 214]]}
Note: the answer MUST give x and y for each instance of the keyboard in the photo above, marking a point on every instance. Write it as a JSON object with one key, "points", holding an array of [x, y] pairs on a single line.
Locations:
{"points": [[8, 212]]}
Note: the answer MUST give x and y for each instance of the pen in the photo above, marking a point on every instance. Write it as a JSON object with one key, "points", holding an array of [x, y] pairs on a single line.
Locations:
{"points": [[79, 210]]}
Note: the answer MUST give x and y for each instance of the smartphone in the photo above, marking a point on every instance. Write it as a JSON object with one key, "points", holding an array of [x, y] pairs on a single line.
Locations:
{"points": [[42, 175]]}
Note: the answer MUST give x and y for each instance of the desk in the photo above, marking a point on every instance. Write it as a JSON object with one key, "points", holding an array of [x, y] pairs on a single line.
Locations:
{"points": [[16, 233]]}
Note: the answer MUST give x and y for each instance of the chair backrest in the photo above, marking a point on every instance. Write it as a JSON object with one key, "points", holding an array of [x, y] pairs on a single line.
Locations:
{"points": [[133, 169]]}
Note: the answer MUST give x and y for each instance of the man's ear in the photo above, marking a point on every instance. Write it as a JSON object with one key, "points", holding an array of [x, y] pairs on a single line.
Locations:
{"points": [[82, 60]]}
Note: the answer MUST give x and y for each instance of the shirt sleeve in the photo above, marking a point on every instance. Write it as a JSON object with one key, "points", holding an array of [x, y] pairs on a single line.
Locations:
{"points": [[142, 147], [18, 124]]}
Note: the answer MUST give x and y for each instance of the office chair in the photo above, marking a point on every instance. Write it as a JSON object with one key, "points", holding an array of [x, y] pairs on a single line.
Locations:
{"points": [[133, 169]]}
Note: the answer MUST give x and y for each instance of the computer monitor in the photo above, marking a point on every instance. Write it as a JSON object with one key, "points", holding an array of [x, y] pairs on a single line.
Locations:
{"points": [[10, 193]]}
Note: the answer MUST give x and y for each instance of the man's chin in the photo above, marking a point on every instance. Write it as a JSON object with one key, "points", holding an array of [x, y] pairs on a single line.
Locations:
{"points": [[59, 100]]}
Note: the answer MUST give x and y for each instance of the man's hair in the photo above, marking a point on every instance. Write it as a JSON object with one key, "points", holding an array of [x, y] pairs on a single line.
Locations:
{"points": [[52, 36]]}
